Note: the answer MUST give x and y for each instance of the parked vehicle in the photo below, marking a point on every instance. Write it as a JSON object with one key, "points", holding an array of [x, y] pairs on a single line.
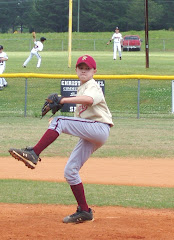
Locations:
{"points": [[131, 43]]}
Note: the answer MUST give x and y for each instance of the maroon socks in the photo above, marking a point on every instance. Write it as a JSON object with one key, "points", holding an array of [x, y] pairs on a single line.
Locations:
{"points": [[79, 194], [78, 190], [49, 137]]}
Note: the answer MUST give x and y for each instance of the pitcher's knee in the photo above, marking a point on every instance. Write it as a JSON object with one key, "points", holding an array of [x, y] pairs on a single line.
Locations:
{"points": [[71, 175]]}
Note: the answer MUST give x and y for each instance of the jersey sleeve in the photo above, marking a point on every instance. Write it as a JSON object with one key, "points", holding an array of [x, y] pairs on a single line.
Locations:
{"points": [[113, 36]]}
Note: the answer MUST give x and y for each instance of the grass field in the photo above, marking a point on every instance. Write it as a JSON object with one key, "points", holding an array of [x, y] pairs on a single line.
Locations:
{"points": [[35, 192], [149, 136], [161, 40], [128, 138]]}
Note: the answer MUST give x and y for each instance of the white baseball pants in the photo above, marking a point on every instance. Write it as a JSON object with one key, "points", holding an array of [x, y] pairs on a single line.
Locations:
{"points": [[116, 46], [92, 136], [30, 57], [3, 82]]}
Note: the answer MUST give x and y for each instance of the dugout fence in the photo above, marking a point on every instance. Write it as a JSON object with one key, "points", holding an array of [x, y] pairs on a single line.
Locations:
{"points": [[127, 95]]}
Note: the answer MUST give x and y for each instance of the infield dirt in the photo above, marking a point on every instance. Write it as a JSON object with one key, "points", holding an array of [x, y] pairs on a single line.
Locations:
{"points": [[44, 222]]}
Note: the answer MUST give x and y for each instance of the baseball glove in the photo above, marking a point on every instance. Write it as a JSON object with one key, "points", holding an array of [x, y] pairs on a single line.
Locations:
{"points": [[52, 103]]}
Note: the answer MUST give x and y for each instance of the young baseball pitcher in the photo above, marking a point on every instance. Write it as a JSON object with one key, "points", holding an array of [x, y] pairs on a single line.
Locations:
{"points": [[91, 124]]}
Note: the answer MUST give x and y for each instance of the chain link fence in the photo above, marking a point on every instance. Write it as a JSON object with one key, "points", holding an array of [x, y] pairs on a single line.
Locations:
{"points": [[22, 45], [130, 98]]}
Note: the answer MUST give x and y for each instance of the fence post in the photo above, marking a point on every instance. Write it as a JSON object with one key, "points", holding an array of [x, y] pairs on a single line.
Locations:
{"points": [[164, 47], [25, 109], [172, 96], [94, 44], [30, 45], [138, 100], [62, 45]]}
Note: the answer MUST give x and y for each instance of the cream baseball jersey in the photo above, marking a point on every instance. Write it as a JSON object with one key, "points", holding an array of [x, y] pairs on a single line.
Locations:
{"points": [[98, 111]]}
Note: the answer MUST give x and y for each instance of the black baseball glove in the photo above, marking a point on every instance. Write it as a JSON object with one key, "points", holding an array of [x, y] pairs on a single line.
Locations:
{"points": [[52, 103]]}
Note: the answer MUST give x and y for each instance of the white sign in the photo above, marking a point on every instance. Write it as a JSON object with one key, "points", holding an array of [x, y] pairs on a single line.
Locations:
{"points": [[69, 89]]}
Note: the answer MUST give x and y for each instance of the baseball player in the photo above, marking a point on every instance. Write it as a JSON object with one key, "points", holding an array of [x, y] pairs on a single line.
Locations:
{"points": [[3, 59], [38, 47], [117, 37], [91, 124]]}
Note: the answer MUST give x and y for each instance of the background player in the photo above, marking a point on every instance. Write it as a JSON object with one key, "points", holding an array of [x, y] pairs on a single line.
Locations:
{"points": [[117, 37], [3, 59], [38, 47], [91, 123]]}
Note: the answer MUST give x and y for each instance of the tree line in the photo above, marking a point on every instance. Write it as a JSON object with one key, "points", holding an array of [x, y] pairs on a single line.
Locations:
{"points": [[88, 15]]}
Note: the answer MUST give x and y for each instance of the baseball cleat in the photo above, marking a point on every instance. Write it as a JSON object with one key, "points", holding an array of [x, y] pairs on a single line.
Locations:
{"points": [[26, 155], [120, 58], [23, 66], [79, 216]]}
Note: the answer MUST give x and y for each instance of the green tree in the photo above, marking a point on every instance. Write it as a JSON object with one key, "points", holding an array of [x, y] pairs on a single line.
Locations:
{"points": [[51, 15], [136, 17], [167, 21], [4, 16], [100, 15], [15, 14], [95, 15]]}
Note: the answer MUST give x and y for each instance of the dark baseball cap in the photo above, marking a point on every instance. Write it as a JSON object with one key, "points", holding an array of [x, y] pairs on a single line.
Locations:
{"points": [[1, 47], [42, 39], [117, 28], [88, 60]]}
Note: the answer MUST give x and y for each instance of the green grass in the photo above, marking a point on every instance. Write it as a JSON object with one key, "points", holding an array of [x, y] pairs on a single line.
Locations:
{"points": [[85, 41], [57, 63], [38, 192], [136, 138]]}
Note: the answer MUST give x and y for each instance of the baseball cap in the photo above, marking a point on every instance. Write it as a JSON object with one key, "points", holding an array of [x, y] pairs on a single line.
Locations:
{"points": [[88, 60], [1, 47], [117, 28], [42, 39]]}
